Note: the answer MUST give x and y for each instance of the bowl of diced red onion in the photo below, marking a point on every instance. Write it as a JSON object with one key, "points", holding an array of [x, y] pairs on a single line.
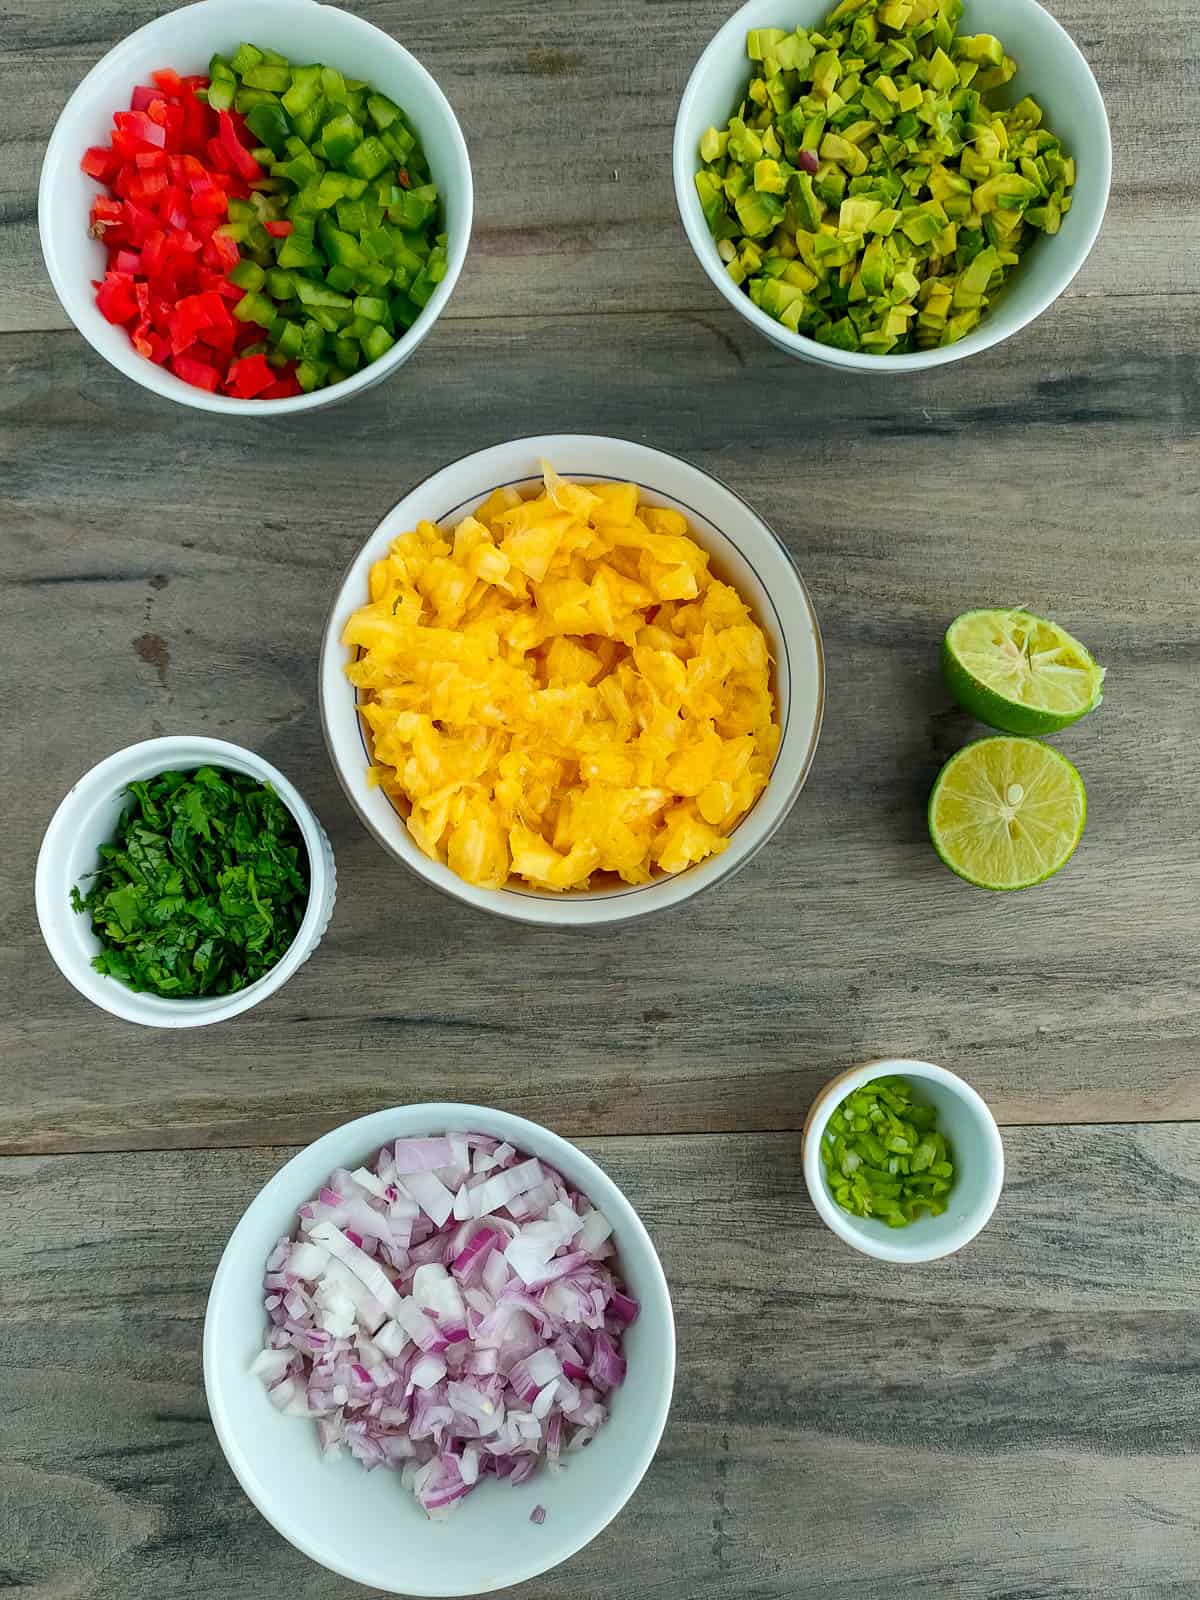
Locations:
{"points": [[439, 1320]]}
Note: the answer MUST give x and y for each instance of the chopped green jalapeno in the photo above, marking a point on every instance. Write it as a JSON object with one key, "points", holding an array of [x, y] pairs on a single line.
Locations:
{"points": [[883, 1155]]}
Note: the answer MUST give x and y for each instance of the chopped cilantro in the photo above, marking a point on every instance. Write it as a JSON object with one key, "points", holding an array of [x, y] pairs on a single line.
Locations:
{"points": [[202, 888]]}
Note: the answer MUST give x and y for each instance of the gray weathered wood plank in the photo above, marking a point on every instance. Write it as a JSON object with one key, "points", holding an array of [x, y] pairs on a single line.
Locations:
{"points": [[568, 113], [1019, 1420], [169, 572]]}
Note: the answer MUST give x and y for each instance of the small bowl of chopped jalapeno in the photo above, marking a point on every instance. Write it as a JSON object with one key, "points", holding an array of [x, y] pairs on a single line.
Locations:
{"points": [[902, 1159], [888, 185], [181, 881]]}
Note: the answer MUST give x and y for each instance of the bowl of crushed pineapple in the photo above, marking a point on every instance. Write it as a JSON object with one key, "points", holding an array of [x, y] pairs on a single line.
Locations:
{"points": [[572, 680]]}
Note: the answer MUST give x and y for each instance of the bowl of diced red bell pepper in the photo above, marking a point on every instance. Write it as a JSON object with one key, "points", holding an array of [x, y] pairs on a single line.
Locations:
{"points": [[264, 227]]}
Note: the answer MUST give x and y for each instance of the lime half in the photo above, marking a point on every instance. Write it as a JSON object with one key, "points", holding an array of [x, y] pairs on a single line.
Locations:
{"points": [[1006, 813], [1019, 672]]}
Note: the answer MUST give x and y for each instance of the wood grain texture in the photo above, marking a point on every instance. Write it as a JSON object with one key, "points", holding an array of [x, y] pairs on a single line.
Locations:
{"points": [[169, 572], [568, 113], [1021, 1420]]}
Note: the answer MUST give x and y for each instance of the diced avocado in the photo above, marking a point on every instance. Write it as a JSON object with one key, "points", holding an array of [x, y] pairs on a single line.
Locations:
{"points": [[778, 295], [943, 74], [875, 267], [979, 47], [757, 213], [840, 335], [759, 41], [910, 97], [751, 257], [895, 13], [825, 71], [959, 326], [907, 191], [857, 214], [795, 52], [835, 148], [809, 209], [768, 179], [877, 104], [973, 280], [997, 77], [744, 145], [712, 145], [1007, 190]]}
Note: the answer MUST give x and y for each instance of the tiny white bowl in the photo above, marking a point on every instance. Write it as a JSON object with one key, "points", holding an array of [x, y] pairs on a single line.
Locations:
{"points": [[70, 851], [364, 1525], [1051, 68], [975, 1148], [746, 552], [186, 40]]}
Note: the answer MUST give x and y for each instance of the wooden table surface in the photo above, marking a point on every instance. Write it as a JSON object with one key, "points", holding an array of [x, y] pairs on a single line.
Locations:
{"points": [[1019, 1422]]}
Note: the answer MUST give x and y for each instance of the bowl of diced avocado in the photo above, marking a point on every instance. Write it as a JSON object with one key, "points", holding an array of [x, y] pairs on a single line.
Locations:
{"points": [[349, 207], [889, 185]]}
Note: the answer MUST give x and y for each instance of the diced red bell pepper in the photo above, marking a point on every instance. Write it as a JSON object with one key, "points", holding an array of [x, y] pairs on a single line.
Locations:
{"points": [[199, 373], [136, 125], [116, 298], [172, 166], [210, 202], [108, 220], [169, 82], [241, 160], [99, 163], [284, 389], [197, 123], [248, 377], [278, 230]]}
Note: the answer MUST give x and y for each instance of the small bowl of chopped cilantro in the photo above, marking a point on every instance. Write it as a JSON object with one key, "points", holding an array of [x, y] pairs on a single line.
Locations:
{"points": [[183, 880], [889, 185], [902, 1159]]}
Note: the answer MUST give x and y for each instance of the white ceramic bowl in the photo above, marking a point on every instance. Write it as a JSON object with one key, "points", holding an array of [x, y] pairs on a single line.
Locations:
{"points": [[364, 1525], [185, 40], [746, 552], [1051, 69], [88, 818], [975, 1147]]}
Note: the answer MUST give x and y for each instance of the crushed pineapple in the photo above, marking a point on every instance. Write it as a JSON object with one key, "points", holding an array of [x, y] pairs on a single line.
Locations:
{"points": [[560, 687]]}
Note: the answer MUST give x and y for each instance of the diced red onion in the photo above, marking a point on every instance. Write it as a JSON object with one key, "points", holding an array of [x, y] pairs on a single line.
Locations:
{"points": [[452, 1311]]}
